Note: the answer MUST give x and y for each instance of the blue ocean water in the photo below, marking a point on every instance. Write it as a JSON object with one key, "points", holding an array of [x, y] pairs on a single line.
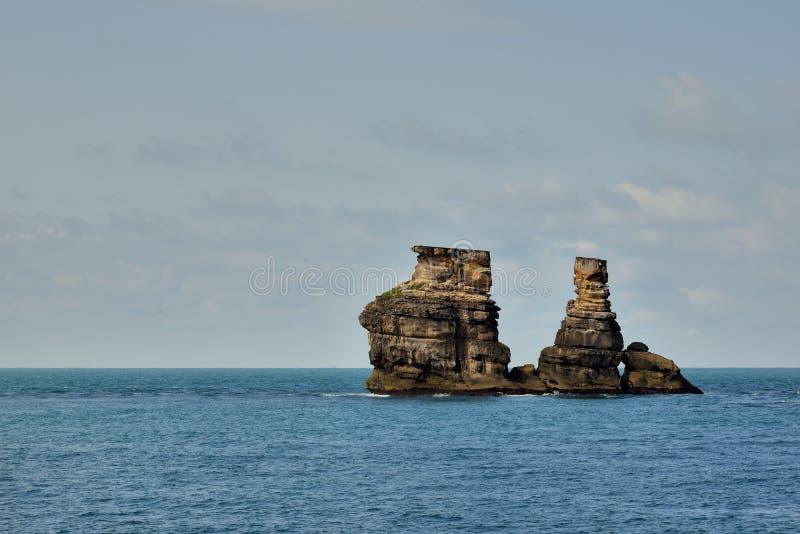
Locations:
{"points": [[253, 450]]}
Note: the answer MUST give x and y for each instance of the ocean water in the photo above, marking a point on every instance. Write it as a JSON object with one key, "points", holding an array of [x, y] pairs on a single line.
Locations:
{"points": [[254, 450]]}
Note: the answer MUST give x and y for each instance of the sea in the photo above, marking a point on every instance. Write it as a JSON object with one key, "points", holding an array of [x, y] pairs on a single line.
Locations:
{"points": [[310, 450]]}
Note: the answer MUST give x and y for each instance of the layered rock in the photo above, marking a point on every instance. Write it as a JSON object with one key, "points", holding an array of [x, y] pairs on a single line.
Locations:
{"points": [[588, 346], [646, 372], [438, 331]]}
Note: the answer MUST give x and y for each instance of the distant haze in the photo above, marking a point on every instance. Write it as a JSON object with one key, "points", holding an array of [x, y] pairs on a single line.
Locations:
{"points": [[157, 153]]}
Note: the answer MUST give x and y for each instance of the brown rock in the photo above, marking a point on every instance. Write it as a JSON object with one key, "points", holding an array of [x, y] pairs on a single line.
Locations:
{"points": [[580, 370], [646, 372], [590, 338], [574, 311], [452, 268], [438, 331], [527, 380], [591, 324], [588, 345]]}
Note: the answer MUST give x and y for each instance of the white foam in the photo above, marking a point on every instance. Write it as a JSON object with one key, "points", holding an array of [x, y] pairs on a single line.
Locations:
{"points": [[353, 395]]}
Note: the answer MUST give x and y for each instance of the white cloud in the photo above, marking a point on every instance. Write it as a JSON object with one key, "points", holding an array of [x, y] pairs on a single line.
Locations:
{"points": [[136, 277], [545, 188], [688, 113], [782, 201], [651, 236], [410, 133], [691, 114], [63, 280], [686, 94], [747, 224], [172, 151], [643, 316], [706, 297], [32, 233], [212, 306], [753, 237], [678, 205], [582, 245], [627, 268]]}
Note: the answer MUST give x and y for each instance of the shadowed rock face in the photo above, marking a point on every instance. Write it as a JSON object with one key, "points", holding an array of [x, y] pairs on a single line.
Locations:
{"points": [[646, 372], [438, 331], [587, 349]]}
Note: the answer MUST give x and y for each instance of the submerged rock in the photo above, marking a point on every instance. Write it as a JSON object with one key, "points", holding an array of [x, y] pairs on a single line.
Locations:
{"points": [[646, 372], [588, 346]]}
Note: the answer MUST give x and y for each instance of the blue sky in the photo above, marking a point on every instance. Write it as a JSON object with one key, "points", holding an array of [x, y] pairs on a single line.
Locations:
{"points": [[155, 152]]}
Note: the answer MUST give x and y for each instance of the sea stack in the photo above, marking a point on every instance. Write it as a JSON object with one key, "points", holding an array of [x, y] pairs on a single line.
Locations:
{"points": [[438, 331], [588, 346]]}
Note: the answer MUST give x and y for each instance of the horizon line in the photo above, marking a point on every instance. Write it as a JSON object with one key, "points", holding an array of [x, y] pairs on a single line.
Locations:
{"points": [[2, 368]]}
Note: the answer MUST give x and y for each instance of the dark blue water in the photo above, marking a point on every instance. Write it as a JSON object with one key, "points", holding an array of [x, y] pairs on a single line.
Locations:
{"points": [[308, 450]]}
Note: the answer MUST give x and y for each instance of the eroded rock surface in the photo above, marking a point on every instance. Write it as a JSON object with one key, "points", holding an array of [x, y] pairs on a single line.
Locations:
{"points": [[646, 372], [438, 331], [638, 346], [588, 346]]}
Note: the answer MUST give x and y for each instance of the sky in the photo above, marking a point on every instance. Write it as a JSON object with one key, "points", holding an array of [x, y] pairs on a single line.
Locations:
{"points": [[160, 158]]}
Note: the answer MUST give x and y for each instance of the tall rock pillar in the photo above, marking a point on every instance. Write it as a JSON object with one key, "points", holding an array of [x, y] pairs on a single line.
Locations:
{"points": [[588, 345], [438, 331]]}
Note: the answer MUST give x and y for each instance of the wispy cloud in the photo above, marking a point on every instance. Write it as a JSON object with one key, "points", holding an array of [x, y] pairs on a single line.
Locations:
{"points": [[782, 201], [642, 316], [582, 246], [237, 203], [17, 195], [413, 134], [691, 113], [174, 151], [379, 13], [17, 228], [708, 298], [686, 95], [677, 204]]}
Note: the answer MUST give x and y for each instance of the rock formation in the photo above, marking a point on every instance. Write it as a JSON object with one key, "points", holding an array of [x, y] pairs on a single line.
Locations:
{"points": [[438, 331], [646, 372], [587, 349]]}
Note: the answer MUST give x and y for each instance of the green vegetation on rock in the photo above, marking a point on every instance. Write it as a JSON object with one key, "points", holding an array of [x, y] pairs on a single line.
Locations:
{"points": [[392, 293], [398, 290]]}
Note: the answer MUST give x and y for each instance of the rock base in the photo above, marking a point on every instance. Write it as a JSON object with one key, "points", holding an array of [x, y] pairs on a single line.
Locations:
{"points": [[580, 370], [388, 383]]}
